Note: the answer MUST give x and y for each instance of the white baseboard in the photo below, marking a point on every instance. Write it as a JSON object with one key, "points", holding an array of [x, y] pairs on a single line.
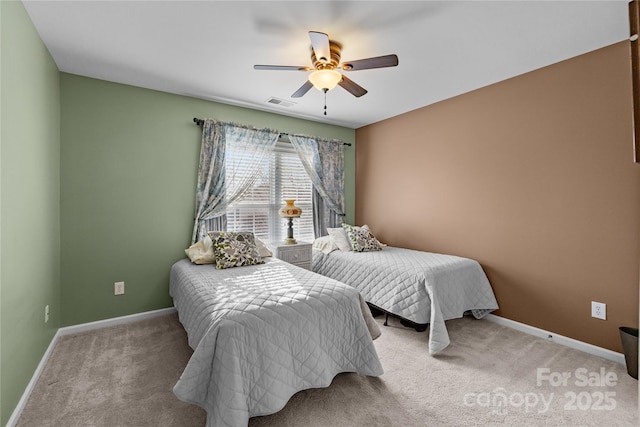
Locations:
{"points": [[67, 330], [34, 379], [98, 324], [560, 339]]}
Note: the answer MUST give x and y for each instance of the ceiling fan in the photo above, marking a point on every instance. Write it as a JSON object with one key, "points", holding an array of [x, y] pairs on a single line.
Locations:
{"points": [[325, 57]]}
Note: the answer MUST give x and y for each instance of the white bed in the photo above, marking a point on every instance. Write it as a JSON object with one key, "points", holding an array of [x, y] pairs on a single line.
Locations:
{"points": [[261, 333], [422, 287]]}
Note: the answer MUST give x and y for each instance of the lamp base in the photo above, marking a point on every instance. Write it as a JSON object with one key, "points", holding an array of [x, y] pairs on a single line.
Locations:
{"points": [[290, 241]]}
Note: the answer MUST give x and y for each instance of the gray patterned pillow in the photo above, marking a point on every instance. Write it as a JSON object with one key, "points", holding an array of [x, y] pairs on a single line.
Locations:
{"points": [[361, 238], [234, 249]]}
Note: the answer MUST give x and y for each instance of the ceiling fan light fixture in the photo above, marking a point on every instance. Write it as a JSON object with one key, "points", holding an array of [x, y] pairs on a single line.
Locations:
{"points": [[325, 79]]}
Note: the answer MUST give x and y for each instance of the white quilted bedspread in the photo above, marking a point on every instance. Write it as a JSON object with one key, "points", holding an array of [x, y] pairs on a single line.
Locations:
{"points": [[423, 287], [262, 333]]}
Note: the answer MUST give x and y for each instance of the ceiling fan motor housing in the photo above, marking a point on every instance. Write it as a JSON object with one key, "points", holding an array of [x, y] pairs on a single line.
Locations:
{"points": [[327, 63]]}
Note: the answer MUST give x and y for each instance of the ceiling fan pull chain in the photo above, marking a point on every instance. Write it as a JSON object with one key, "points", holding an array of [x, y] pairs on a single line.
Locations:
{"points": [[325, 100]]}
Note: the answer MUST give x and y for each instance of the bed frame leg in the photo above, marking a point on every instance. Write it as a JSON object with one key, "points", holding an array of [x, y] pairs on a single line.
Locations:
{"points": [[386, 318]]}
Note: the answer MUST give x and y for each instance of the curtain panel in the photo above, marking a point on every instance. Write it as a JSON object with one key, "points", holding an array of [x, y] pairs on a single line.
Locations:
{"points": [[323, 159], [230, 156]]}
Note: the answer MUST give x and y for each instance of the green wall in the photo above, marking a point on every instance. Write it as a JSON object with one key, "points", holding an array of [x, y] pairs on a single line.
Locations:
{"points": [[129, 159], [97, 185], [29, 202]]}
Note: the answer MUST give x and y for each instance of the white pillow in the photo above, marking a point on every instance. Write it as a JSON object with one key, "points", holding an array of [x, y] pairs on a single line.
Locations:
{"points": [[201, 252], [325, 244], [340, 238], [263, 250]]}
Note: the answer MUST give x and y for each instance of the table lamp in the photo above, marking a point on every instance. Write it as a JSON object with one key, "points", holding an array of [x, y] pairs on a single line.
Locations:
{"points": [[290, 211]]}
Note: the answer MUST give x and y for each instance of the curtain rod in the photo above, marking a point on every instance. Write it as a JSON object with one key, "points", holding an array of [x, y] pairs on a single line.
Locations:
{"points": [[200, 122]]}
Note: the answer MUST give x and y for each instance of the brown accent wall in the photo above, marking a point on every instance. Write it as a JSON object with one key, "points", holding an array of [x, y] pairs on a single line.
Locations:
{"points": [[534, 178]]}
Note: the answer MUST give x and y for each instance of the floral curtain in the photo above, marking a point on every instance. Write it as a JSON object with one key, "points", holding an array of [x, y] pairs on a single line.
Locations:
{"points": [[323, 159], [230, 159]]}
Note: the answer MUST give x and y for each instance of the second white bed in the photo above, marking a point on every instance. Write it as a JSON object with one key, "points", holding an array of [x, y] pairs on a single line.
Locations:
{"points": [[422, 287]]}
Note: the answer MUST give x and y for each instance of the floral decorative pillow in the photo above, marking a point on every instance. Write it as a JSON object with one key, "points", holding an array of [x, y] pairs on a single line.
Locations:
{"points": [[361, 238], [234, 249]]}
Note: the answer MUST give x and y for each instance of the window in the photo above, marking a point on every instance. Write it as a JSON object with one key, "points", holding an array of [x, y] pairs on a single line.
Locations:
{"points": [[281, 177]]}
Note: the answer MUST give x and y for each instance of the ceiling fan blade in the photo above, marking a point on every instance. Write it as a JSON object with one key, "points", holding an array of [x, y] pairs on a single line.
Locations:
{"points": [[320, 45], [366, 64], [281, 67], [303, 89], [352, 87]]}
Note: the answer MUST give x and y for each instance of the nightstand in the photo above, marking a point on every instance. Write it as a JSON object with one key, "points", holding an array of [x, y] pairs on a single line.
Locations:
{"points": [[298, 254]]}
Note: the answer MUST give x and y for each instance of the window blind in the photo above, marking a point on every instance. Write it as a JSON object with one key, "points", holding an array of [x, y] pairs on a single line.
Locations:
{"points": [[281, 177]]}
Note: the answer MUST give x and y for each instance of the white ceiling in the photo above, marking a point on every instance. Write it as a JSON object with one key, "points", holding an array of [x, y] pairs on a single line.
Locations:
{"points": [[207, 49]]}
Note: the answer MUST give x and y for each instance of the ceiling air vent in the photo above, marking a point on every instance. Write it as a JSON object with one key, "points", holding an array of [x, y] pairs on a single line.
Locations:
{"points": [[280, 102]]}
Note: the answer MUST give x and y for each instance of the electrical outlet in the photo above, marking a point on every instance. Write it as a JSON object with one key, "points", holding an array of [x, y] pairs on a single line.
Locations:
{"points": [[46, 313], [599, 310], [118, 288]]}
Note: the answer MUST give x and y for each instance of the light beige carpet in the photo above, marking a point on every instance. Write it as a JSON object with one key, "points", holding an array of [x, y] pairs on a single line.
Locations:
{"points": [[489, 375]]}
